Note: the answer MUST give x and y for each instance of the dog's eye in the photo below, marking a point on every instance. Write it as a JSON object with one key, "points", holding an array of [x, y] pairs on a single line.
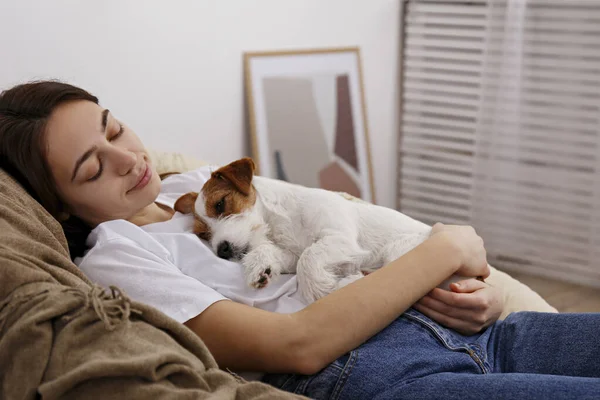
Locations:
{"points": [[220, 206]]}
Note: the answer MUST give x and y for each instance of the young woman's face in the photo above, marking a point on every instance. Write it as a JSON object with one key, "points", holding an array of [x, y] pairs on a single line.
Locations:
{"points": [[100, 166]]}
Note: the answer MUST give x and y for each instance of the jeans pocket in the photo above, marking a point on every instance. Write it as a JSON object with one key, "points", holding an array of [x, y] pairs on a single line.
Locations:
{"points": [[326, 384]]}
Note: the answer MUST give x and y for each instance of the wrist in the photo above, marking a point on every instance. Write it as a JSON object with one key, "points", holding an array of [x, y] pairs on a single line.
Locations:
{"points": [[449, 249]]}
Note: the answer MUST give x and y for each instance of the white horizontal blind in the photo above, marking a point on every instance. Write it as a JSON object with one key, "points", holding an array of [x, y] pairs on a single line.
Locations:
{"points": [[501, 128]]}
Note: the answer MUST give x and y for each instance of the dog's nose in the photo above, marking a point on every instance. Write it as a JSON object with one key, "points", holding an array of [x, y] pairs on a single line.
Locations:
{"points": [[225, 250]]}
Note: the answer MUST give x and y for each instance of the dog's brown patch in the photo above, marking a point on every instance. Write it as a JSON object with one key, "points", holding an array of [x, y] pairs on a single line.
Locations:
{"points": [[229, 189], [201, 229], [186, 205]]}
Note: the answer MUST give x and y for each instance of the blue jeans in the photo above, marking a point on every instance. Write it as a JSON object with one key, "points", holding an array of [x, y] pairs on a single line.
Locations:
{"points": [[527, 356]]}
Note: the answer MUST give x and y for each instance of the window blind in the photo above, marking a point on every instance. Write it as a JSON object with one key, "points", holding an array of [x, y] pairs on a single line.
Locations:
{"points": [[500, 128]]}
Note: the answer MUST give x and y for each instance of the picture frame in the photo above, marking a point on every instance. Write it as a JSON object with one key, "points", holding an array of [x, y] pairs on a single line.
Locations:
{"points": [[308, 119]]}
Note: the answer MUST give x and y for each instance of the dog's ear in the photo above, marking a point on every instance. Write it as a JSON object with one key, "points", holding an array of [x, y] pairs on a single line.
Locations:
{"points": [[201, 229], [239, 173], [185, 204]]}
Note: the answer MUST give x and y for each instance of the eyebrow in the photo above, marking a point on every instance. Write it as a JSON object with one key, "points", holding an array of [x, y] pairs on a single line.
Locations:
{"points": [[105, 119], [88, 154]]}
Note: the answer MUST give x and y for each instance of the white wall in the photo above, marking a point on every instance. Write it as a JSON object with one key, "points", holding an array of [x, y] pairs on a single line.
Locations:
{"points": [[172, 70]]}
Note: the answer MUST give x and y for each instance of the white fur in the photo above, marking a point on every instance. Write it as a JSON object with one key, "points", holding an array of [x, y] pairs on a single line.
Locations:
{"points": [[326, 239]]}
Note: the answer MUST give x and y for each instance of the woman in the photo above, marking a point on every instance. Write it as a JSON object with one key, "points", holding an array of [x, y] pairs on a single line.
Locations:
{"points": [[93, 174]]}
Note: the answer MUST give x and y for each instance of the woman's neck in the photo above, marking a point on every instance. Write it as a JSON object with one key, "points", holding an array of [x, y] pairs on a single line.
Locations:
{"points": [[152, 213]]}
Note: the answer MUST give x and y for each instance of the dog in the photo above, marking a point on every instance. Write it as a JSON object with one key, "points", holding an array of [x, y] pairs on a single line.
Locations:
{"points": [[274, 227]]}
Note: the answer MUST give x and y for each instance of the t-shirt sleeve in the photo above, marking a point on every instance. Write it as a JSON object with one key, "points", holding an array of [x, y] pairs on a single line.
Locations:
{"points": [[147, 278]]}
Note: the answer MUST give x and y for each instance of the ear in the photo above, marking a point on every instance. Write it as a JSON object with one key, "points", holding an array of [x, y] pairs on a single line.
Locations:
{"points": [[239, 173], [185, 204], [201, 229]]}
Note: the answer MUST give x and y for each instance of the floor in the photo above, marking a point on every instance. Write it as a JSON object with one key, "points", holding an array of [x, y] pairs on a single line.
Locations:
{"points": [[565, 297]]}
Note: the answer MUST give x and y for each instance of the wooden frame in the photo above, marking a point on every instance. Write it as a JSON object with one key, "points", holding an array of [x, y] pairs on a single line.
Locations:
{"points": [[273, 73]]}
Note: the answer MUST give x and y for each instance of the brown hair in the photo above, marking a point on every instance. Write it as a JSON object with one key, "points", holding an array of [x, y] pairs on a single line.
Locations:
{"points": [[24, 113]]}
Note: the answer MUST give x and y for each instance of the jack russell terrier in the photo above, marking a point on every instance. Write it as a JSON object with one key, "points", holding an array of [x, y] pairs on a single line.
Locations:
{"points": [[275, 227]]}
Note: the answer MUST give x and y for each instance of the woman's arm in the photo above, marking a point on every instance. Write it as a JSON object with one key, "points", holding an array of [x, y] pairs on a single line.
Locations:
{"points": [[243, 338]]}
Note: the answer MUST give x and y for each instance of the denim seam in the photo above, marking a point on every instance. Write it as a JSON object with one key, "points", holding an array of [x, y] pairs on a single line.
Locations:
{"points": [[289, 378], [301, 388], [477, 360], [482, 356], [339, 368], [337, 390], [441, 337]]}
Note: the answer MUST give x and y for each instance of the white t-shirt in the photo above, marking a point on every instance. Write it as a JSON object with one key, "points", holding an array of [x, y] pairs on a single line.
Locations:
{"points": [[168, 267]]}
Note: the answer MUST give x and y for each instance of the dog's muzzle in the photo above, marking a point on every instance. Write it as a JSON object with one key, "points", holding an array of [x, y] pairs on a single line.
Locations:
{"points": [[225, 250], [228, 251]]}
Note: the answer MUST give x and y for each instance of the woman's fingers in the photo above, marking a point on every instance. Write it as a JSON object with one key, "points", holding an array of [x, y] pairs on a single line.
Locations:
{"points": [[464, 327], [472, 301], [478, 307], [468, 286], [443, 308], [472, 315]]}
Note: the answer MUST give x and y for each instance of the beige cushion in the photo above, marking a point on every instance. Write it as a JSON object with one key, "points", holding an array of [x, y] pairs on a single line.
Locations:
{"points": [[167, 162], [517, 296]]}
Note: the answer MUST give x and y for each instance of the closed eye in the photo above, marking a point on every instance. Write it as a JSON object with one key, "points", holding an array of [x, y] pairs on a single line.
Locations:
{"points": [[97, 175], [118, 134], [101, 167]]}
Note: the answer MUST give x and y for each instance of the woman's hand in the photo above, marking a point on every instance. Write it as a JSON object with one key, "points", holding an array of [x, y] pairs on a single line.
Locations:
{"points": [[470, 247], [470, 306]]}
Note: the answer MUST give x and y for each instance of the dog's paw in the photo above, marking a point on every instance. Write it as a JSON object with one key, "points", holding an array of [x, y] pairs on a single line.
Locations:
{"points": [[259, 280], [259, 272]]}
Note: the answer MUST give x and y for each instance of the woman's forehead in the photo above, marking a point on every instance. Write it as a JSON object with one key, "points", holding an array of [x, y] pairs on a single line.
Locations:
{"points": [[76, 116], [71, 131]]}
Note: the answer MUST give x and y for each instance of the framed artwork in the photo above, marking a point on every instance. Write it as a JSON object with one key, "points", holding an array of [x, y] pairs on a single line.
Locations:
{"points": [[308, 122]]}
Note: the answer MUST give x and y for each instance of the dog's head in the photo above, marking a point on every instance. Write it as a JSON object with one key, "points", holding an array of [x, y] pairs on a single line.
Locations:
{"points": [[224, 210]]}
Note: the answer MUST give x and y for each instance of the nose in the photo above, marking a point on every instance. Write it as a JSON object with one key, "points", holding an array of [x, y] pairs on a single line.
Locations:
{"points": [[125, 160], [224, 250]]}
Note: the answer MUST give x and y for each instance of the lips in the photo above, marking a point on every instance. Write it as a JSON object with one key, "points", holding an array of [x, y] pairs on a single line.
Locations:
{"points": [[143, 179]]}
